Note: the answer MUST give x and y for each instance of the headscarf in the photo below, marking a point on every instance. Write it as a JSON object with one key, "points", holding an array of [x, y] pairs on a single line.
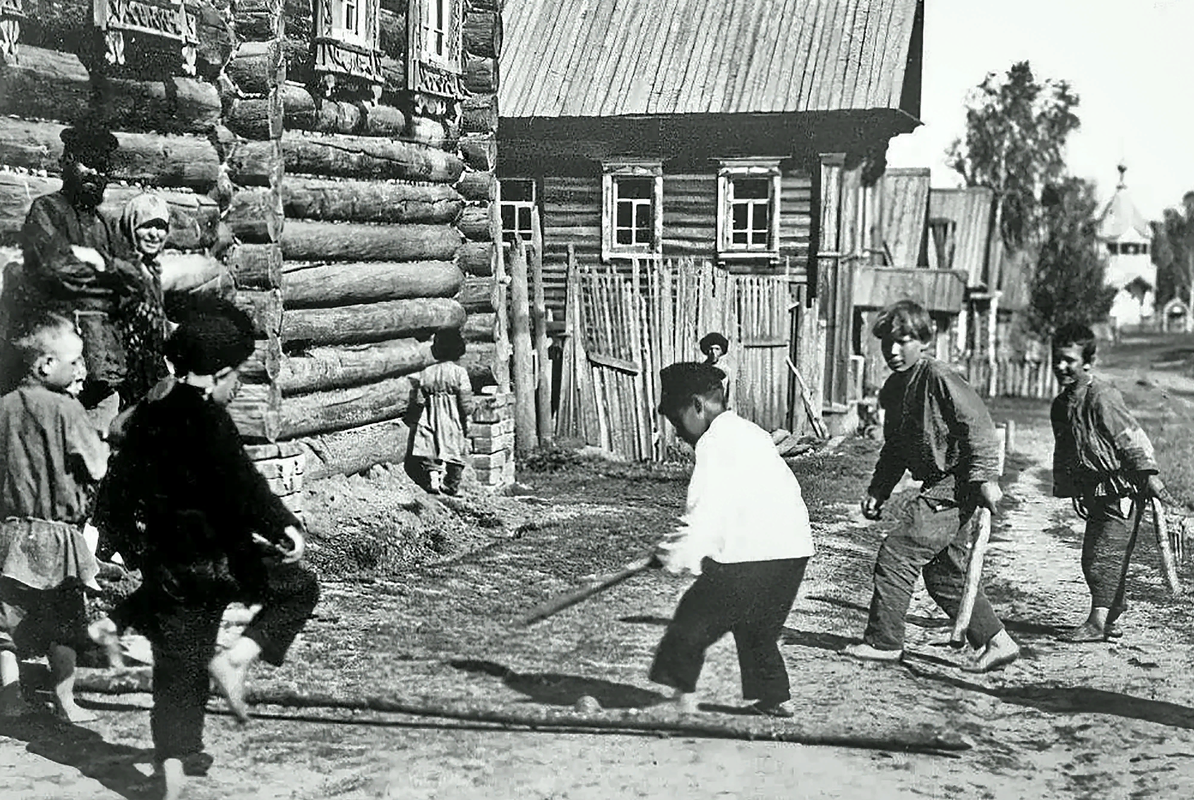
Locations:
{"points": [[141, 209]]}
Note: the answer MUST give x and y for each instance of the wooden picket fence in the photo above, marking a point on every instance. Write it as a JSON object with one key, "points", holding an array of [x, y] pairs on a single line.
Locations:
{"points": [[627, 320], [1013, 377]]}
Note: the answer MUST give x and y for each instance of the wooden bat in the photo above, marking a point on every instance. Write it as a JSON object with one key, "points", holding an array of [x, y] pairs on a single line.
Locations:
{"points": [[558, 603], [974, 575], [817, 423], [1165, 546]]}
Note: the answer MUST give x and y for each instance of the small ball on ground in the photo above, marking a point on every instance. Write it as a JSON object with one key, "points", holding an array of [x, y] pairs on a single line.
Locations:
{"points": [[587, 704]]}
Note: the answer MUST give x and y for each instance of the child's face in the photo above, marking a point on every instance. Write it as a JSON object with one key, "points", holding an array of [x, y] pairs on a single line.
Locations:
{"points": [[715, 353], [901, 351], [1069, 365], [227, 384], [61, 367], [691, 419], [151, 237]]}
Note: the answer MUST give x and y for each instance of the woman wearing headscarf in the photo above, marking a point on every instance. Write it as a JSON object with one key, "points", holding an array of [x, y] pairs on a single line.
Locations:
{"points": [[143, 325]]}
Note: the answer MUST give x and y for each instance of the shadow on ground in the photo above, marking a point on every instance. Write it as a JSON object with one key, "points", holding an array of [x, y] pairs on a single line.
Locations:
{"points": [[550, 688], [113, 765]]}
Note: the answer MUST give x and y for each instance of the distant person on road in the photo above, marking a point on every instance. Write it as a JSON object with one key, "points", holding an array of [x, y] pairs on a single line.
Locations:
{"points": [[745, 533], [1104, 460], [441, 436], [938, 429], [716, 348]]}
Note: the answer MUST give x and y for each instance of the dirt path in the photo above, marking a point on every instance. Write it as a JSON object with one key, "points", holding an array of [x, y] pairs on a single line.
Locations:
{"points": [[1076, 721]]}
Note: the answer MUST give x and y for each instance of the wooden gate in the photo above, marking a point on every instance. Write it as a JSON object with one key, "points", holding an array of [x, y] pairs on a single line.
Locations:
{"points": [[627, 320]]}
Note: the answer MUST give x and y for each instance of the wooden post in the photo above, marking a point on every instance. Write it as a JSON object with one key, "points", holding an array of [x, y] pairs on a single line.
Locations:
{"points": [[525, 439], [539, 317], [501, 305]]}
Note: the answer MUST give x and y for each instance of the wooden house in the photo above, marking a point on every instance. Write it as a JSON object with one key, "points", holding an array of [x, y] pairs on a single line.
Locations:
{"points": [[335, 158], [735, 131]]}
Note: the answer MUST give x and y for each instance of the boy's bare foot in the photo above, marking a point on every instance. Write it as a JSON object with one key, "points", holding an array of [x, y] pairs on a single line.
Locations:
{"points": [[999, 652], [172, 775], [67, 710], [686, 703], [1086, 632], [868, 653], [103, 632], [229, 678], [784, 710]]}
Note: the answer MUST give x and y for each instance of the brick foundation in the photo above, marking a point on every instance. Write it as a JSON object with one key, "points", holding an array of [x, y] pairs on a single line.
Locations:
{"points": [[492, 433]]}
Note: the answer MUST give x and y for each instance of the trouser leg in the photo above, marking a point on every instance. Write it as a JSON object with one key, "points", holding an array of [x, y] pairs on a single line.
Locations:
{"points": [[701, 619], [1106, 551], [945, 579], [184, 642], [767, 590], [289, 598]]}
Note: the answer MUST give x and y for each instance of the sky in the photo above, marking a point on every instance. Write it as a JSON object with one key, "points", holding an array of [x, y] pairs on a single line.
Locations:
{"points": [[1128, 61]]}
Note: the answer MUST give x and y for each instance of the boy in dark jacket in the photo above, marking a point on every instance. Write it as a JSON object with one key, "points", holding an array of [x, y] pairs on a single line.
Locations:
{"points": [[1104, 461], [185, 504], [938, 429]]}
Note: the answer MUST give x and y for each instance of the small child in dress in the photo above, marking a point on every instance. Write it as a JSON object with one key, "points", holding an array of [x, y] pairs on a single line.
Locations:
{"points": [[446, 395], [1104, 460], [745, 533], [50, 454]]}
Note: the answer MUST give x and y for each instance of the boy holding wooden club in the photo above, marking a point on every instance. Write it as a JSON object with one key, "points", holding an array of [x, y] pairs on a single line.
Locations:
{"points": [[1104, 460], [745, 534], [938, 429]]}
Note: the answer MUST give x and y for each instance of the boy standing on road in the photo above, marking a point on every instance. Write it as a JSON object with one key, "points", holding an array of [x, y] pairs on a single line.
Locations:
{"points": [[745, 533], [1102, 459], [938, 429]]}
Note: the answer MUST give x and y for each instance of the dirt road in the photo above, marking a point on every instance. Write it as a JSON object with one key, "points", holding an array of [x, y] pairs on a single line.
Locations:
{"points": [[1068, 721]]}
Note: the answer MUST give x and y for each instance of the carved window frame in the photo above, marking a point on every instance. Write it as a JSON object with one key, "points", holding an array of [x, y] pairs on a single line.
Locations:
{"points": [[11, 14], [612, 174], [435, 54], [171, 20], [520, 210], [728, 172], [348, 51]]}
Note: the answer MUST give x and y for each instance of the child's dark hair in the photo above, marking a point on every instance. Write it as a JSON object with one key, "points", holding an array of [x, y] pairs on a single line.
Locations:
{"points": [[38, 336], [448, 345], [213, 334], [1075, 333], [904, 318], [680, 382]]}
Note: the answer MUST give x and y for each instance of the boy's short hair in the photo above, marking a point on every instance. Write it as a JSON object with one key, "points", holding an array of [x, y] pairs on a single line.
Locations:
{"points": [[715, 338], [448, 345], [1075, 333], [904, 318], [38, 337], [212, 334], [684, 380]]}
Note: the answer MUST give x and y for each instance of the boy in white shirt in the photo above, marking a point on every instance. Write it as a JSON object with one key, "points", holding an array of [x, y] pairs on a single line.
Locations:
{"points": [[745, 533]]}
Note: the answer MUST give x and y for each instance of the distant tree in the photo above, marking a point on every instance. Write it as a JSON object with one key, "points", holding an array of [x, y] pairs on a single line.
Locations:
{"points": [[1069, 283], [1016, 131], [1173, 251]]}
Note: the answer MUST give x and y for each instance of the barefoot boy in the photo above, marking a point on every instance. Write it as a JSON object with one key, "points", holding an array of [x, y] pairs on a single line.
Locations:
{"points": [[185, 504], [1104, 461], [50, 454], [745, 533], [938, 429]]}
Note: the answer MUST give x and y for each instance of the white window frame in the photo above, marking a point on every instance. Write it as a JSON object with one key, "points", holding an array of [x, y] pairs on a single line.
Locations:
{"points": [[437, 27], [728, 171], [519, 205], [611, 173], [354, 31]]}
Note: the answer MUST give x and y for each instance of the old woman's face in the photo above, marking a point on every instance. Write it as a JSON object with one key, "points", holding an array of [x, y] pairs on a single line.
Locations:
{"points": [[151, 237]]}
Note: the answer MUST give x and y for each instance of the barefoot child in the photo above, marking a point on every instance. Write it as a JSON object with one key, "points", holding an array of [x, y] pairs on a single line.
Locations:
{"points": [[1104, 461], [185, 504], [50, 453], [938, 429], [745, 534], [446, 395]]}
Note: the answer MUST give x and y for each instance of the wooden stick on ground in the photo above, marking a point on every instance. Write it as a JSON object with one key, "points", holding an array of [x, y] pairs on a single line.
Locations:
{"points": [[1165, 547], [817, 423], [978, 552], [558, 603]]}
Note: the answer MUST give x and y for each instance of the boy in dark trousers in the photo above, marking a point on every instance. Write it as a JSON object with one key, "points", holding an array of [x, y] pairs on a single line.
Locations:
{"points": [[185, 504], [1104, 461], [938, 429], [745, 533], [50, 458]]}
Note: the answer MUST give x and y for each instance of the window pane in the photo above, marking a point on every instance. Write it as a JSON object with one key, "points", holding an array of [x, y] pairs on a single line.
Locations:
{"points": [[751, 189], [625, 215], [643, 235], [636, 188], [624, 235], [513, 189], [524, 218], [740, 237], [762, 218], [642, 216], [741, 216], [508, 214]]}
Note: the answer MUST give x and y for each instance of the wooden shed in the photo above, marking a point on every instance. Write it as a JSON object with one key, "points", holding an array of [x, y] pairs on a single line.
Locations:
{"points": [[728, 130], [336, 157]]}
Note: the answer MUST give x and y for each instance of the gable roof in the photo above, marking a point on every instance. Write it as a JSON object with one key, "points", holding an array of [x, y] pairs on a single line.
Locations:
{"points": [[1122, 221], [970, 208], [603, 58]]}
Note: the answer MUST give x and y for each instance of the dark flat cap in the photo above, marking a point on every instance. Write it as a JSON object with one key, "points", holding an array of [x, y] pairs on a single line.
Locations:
{"points": [[710, 339], [212, 334], [680, 382]]}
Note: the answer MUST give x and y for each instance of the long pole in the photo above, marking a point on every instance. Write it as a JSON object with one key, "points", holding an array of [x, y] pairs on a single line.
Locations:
{"points": [[539, 318], [525, 439]]}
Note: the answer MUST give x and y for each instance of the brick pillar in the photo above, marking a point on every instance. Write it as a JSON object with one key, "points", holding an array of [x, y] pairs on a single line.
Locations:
{"points": [[492, 434]]}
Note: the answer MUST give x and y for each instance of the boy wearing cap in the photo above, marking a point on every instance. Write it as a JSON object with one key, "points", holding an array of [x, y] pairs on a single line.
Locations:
{"points": [[745, 533], [716, 348], [185, 504]]}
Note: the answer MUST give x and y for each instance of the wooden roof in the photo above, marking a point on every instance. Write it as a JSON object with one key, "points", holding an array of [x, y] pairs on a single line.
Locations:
{"points": [[971, 209], [603, 58]]}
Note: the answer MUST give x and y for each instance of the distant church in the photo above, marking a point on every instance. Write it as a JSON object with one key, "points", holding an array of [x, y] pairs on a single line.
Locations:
{"points": [[1126, 234]]}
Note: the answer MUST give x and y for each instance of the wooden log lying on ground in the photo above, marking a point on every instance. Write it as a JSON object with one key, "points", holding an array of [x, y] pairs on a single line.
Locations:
{"points": [[354, 450], [475, 185], [153, 159], [174, 105], [256, 266], [45, 84], [475, 258], [483, 33], [391, 319], [325, 368], [844, 733], [375, 158], [340, 409], [307, 240], [369, 201], [346, 283]]}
